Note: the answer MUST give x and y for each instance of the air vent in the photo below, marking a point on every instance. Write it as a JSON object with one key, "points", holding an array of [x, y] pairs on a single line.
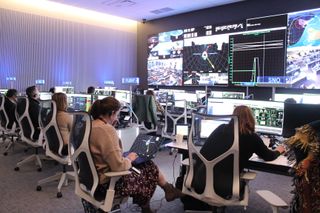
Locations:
{"points": [[162, 10], [119, 3]]}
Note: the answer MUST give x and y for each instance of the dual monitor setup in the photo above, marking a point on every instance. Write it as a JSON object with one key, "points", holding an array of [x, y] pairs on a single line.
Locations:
{"points": [[271, 118]]}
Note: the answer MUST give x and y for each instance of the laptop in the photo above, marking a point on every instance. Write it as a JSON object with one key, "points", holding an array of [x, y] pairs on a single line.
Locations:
{"points": [[146, 147], [205, 129]]}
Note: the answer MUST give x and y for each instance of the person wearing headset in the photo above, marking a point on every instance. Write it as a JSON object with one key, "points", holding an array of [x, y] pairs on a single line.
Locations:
{"points": [[33, 95]]}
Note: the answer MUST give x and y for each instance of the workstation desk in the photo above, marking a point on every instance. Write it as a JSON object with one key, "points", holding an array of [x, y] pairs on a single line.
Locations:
{"points": [[278, 166]]}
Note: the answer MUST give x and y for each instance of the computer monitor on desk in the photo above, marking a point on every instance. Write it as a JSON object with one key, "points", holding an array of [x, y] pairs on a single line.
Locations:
{"points": [[64, 89], [79, 102], [268, 114], [190, 99], [3, 91], [297, 115], [44, 96], [123, 96], [281, 97]]}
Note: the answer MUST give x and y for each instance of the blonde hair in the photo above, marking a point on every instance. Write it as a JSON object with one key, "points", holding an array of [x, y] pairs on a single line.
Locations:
{"points": [[61, 101], [246, 119]]}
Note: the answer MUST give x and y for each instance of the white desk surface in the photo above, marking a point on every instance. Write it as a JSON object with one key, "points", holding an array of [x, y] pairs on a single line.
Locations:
{"points": [[280, 161]]}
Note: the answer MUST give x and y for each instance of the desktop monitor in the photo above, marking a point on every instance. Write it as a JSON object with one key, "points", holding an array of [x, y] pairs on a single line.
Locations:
{"points": [[45, 96], [3, 91], [64, 89], [79, 102], [310, 98], [123, 96], [283, 96], [192, 97], [227, 94], [182, 129], [297, 115], [268, 114]]}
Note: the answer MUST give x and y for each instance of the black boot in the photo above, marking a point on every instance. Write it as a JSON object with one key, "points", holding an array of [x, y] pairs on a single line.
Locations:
{"points": [[171, 192], [146, 208]]}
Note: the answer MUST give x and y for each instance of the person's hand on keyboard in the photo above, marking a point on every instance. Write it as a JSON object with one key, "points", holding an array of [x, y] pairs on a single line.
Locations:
{"points": [[132, 156], [280, 149]]}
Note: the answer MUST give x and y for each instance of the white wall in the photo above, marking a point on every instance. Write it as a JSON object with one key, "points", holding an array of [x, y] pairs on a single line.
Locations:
{"points": [[34, 46]]}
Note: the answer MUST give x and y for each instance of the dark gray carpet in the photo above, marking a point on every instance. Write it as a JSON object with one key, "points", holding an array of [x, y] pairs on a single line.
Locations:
{"points": [[18, 189]]}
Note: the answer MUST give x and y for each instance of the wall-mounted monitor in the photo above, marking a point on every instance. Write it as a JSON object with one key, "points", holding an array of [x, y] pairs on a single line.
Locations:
{"points": [[205, 57], [131, 80], [165, 58], [303, 51], [257, 58]]}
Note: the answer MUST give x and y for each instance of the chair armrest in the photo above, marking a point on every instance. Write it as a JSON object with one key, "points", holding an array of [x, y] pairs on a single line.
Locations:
{"points": [[248, 176], [271, 198], [117, 174]]}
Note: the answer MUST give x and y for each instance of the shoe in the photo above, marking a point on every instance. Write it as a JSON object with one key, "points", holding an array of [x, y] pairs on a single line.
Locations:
{"points": [[146, 208], [171, 192]]}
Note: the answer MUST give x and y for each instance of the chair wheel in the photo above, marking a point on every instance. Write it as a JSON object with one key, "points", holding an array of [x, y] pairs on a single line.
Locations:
{"points": [[39, 169], [59, 195], [16, 169], [5, 154], [39, 188]]}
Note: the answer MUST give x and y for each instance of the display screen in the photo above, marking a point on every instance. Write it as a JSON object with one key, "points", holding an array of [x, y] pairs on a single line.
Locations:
{"points": [[205, 57], [268, 114], [257, 57], [303, 53], [292, 119], [165, 58], [272, 51]]}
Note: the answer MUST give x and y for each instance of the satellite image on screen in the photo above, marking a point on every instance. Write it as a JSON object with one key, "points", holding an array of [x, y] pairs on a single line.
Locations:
{"points": [[303, 51], [165, 58]]}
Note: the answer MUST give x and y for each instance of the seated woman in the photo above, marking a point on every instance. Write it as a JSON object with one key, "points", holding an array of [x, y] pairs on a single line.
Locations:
{"points": [[107, 155], [64, 120], [249, 143]]}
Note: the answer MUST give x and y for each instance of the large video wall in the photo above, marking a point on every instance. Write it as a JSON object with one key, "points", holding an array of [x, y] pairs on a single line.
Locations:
{"points": [[280, 50]]}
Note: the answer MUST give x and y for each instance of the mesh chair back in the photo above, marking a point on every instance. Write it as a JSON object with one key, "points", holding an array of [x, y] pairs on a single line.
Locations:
{"points": [[48, 122], [86, 173], [213, 174], [3, 115], [24, 120]]}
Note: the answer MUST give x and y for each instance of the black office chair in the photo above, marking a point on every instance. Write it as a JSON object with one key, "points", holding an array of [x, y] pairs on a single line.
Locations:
{"points": [[216, 181], [8, 125], [54, 146], [145, 109], [27, 132], [86, 176]]}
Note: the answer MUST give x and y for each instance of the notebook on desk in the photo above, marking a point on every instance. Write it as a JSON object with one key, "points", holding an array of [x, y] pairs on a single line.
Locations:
{"points": [[146, 147]]}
